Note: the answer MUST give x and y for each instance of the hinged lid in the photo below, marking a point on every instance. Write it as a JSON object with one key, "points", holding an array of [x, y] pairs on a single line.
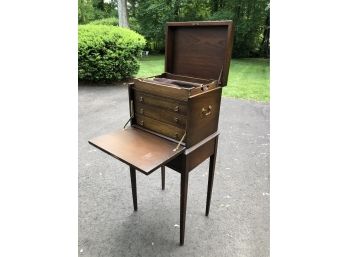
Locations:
{"points": [[199, 49]]}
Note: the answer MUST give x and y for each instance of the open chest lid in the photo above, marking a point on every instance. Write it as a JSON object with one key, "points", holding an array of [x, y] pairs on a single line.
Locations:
{"points": [[199, 49]]}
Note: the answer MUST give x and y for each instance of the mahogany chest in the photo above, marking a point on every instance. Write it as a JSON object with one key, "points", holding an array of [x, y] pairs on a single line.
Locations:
{"points": [[183, 103], [180, 108]]}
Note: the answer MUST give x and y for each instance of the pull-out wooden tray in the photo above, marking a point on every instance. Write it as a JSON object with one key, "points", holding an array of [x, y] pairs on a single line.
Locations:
{"points": [[142, 150]]}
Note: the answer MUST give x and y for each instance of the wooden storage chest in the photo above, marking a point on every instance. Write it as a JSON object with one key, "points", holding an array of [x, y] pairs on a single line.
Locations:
{"points": [[183, 103]]}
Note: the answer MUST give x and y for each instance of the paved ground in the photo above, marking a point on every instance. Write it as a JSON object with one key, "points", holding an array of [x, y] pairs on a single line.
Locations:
{"points": [[238, 224]]}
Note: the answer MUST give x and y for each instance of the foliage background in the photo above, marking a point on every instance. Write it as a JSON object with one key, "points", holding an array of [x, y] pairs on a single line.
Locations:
{"points": [[148, 17]]}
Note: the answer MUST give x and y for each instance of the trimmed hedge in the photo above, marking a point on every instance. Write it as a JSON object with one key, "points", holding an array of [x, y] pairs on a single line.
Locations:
{"points": [[113, 21], [106, 21], [108, 53]]}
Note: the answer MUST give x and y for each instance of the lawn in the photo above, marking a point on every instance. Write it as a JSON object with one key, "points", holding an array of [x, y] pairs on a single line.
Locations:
{"points": [[248, 78]]}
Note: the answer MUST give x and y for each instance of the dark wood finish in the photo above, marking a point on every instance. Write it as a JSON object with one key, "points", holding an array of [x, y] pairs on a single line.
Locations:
{"points": [[202, 153], [198, 53], [173, 92], [163, 115], [199, 49], [183, 202], [134, 188], [198, 117], [155, 133], [160, 127], [201, 123], [179, 83], [184, 161], [186, 78], [184, 100], [194, 155], [208, 84], [131, 99], [211, 177], [137, 148], [161, 102], [163, 177], [228, 55], [152, 87]]}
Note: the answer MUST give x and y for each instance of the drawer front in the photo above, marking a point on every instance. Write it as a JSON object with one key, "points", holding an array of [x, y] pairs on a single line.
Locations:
{"points": [[160, 114], [160, 102], [159, 127]]}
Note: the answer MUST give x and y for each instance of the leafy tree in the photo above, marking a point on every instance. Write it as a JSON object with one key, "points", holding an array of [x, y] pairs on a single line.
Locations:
{"points": [[251, 19], [86, 11], [153, 15], [89, 10]]}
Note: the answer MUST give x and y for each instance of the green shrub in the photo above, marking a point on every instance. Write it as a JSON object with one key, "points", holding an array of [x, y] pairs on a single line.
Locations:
{"points": [[108, 52], [107, 21], [113, 21]]}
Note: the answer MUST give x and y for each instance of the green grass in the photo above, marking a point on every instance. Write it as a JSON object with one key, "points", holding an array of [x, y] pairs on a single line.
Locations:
{"points": [[247, 79], [151, 65]]}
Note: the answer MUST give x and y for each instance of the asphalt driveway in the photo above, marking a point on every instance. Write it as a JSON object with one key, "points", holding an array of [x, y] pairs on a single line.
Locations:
{"points": [[238, 223]]}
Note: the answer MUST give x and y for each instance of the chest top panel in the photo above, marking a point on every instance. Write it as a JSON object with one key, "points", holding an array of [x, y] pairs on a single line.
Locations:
{"points": [[199, 49]]}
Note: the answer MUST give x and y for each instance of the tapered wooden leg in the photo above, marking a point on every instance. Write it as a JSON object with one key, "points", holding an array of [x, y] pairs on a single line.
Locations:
{"points": [[163, 176], [134, 188], [212, 162], [183, 204]]}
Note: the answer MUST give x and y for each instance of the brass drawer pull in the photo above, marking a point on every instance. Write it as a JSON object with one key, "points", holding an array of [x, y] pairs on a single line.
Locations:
{"points": [[141, 111], [142, 123], [141, 99], [176, 119], [176, 108], [206, 112]]}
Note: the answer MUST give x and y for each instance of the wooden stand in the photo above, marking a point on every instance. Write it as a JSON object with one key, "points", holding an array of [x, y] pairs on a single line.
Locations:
{"points": [[197, 61], [145, 152]]}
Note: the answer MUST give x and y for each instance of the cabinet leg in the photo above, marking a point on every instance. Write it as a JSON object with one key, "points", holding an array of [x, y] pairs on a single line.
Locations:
{"points": [[134, 188], [183, 204], [212, 162], [163, 176]]}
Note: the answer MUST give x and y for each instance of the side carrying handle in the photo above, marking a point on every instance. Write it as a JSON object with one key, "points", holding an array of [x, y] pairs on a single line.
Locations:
{"points": [[206, 112], [177, 147]]}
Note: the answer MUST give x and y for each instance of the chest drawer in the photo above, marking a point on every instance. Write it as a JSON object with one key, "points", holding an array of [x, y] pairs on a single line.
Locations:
{"points": [[160, 102], [159, 127], [160, 114]]}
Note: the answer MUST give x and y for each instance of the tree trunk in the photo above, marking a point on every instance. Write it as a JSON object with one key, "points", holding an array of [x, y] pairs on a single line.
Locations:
{"points": [[122, 13], [265, 42]]}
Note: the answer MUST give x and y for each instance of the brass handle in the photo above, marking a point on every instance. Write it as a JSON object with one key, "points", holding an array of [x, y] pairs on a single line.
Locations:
{"points": [[176, 108], [206, 112], [142, 123], [141, 99], [141, 111], [176, 119]]}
